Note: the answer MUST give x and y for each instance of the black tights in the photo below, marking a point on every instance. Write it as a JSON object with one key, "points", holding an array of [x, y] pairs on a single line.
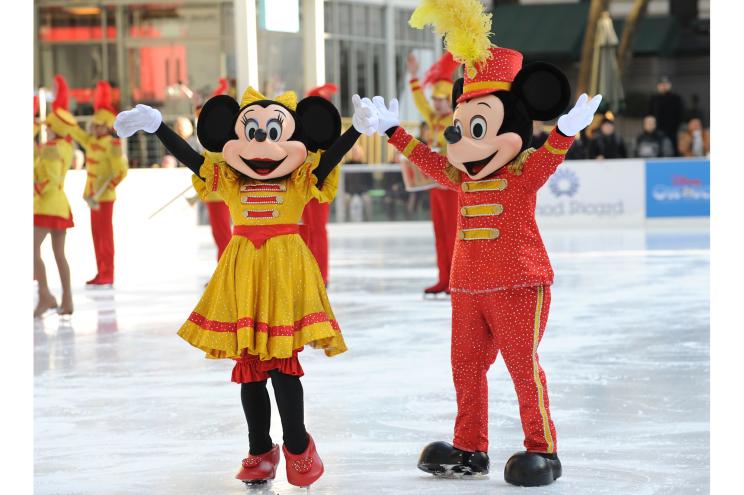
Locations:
{"points": [[257, 409]]}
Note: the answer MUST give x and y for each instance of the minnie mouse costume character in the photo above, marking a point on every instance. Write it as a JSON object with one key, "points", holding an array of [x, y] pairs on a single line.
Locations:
{"points": [[266, 299], [501, 274]]}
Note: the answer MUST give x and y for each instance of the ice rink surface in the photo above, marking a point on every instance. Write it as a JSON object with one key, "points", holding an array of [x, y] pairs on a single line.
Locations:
{"points": [[124, 406]]}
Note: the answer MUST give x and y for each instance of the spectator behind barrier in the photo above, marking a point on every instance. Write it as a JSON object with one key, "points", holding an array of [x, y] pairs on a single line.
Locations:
{"points": [[607, 143], [652, 143], [695, 140], [668, 108], [578, 150], [539, 136], [357, 186]]}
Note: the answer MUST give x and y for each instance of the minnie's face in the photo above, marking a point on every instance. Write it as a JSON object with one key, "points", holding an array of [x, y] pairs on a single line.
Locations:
{"points": [[263, 149], [482, 150]]}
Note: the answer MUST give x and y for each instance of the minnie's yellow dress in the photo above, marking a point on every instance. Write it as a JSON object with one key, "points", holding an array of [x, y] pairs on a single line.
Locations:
{"points": [[266, 298]]}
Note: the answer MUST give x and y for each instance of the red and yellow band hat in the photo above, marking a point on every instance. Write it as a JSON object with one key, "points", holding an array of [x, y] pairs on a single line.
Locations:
{"points": [[442, 89], [60, 121], [495, 74]]}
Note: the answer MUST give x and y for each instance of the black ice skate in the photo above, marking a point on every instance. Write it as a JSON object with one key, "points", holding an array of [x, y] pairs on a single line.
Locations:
{"points": [[442, 459], [532, 469]]}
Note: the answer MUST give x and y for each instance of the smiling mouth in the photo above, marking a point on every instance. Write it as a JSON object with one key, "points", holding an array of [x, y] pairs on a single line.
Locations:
{"points": [[474, 168], [262, 166]]}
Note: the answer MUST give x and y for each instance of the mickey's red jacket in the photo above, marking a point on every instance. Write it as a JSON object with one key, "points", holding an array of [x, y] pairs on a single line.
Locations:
{"points": [[498, 244]]}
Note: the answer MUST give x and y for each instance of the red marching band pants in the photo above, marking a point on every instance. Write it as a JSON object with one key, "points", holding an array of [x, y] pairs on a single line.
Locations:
{"points": [[444, 212], [511, 321], [219, 219], [102, 229], [313, 232]]}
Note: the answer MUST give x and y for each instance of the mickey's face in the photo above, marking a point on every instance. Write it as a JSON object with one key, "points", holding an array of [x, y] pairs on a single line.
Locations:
{"points": [[263, 149], [480, 150]]}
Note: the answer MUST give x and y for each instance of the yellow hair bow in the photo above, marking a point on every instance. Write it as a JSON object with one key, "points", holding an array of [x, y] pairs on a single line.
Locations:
{"points": [[288, 98]]}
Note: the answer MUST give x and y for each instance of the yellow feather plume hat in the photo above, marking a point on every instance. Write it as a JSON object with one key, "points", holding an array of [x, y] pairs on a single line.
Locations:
{"points": [[466, 27]]}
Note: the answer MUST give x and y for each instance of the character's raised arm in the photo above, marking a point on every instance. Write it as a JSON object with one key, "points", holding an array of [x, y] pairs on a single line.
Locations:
{"points": [[148, 119]]}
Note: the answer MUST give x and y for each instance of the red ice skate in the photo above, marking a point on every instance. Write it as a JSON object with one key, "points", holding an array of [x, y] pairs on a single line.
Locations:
{"points": [[100, 282], [259, 468], [303, 469], [436, 289]]}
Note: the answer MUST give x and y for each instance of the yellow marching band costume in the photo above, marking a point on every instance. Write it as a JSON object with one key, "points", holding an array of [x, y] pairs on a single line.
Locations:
{"points": [[52, 160], [266, 298], [106, 167]]}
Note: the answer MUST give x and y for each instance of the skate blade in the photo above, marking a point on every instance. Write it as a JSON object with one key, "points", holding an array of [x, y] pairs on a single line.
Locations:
{"points": [[99, 286], [452, 472], [439, 296], [258, 485]]}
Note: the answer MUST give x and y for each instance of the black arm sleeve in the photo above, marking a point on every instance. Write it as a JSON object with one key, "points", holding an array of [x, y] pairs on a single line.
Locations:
{"points": [[183, 152], [335, 153]]}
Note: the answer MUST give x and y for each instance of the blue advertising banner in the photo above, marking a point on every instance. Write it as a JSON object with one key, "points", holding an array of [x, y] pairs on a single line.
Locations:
{"points": [[678, 188]]}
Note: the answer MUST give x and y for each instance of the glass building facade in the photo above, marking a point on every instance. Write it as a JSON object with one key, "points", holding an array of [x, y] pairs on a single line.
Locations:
{"points": [[171, 55]]}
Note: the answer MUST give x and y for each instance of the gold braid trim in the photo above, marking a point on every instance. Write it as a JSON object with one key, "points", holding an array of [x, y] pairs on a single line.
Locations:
{"points": [[517, 164], [453, 174]]}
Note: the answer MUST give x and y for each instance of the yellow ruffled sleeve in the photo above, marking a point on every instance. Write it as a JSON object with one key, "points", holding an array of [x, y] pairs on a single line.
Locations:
{"points": [[306, 181], [219, 179]]}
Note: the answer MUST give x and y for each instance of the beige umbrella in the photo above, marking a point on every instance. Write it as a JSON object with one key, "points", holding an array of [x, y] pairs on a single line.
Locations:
{"points": [[606, 78]]}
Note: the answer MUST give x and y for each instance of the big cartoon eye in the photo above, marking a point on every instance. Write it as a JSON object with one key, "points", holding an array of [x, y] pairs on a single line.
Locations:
{"points": [[274, 129], [250, 128], [478, 127]]}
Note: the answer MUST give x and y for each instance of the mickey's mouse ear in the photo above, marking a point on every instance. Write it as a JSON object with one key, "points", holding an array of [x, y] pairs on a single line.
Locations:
{"points": [[543, 89]]}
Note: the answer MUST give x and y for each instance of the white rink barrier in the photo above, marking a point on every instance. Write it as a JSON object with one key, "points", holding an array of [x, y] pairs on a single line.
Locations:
{"points": [[591, 193], [581, 193]]}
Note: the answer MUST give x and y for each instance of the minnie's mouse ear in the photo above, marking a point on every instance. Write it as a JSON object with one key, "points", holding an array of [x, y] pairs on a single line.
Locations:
{"points": [[216, 124], [543, 89], [320, 122]]}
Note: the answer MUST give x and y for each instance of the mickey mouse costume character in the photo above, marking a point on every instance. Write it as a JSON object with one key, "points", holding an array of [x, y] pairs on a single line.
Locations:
{"points": [[266, 299], [442, 201], [501, 273], [106, 166]]}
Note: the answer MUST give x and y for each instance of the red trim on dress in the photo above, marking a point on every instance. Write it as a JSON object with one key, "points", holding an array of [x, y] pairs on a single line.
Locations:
{"points": [[53, 222], [273, 331], [215, 177], [262, 187], [260, 200], [258, 234], [250, 368]]}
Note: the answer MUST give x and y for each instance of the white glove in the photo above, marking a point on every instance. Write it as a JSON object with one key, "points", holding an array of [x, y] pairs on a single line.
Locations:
{"points": [[139, 118], [386, 117], [580, 116], [365, 115]]}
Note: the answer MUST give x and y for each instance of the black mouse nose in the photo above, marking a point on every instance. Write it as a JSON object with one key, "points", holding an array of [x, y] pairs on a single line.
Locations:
{"points": [[260, 135], [452, 134]]}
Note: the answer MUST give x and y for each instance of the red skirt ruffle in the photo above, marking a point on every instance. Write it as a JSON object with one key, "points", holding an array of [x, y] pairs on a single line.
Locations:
{"points": [[250, 368], [53, 222]]}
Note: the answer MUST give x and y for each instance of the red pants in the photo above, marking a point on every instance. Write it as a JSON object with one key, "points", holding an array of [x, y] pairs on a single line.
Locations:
{"points": [[219, 219], [444, 211], [313, 231], [511, 321], [102, 228]]}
